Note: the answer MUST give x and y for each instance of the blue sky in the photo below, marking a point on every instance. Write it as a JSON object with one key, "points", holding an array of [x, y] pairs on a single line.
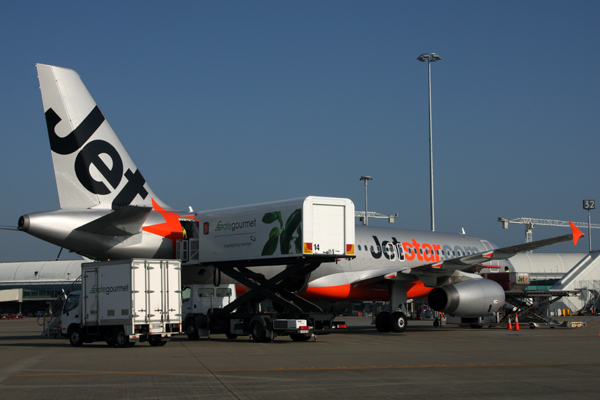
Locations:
{"points": [[230, 103]]}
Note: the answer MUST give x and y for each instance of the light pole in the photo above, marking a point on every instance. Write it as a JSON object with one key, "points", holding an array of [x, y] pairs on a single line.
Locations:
{"points": [[366, 219], [430, 57], [589, 205]]}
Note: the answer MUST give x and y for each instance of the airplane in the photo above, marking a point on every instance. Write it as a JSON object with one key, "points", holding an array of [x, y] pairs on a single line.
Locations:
{"points": [[108, 211]]}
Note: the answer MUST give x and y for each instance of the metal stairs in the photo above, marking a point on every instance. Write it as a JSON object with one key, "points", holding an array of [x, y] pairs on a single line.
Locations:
{"points": [[50, 319]]}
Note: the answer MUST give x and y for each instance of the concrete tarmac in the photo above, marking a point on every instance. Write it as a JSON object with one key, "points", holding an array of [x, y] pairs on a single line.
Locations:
{"points": [[423, 362]]}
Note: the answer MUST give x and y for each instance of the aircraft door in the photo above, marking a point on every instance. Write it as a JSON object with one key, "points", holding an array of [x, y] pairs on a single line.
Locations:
{"points": [[488, 246], [90, 305], [187, 249]]}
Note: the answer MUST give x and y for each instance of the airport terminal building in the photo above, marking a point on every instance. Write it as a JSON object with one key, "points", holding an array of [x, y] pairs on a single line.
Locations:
{"points": [[29, 287]]}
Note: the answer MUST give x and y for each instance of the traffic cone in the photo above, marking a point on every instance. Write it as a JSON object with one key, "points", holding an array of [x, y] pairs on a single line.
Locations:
{"points": [[517, 322], [509, 326]]}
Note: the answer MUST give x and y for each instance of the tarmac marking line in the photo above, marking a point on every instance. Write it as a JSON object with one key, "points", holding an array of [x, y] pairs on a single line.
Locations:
{"points": [[311, 369]]}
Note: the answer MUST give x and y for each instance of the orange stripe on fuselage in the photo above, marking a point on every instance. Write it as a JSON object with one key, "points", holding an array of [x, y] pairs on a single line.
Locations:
{"points": [[361, 292]]}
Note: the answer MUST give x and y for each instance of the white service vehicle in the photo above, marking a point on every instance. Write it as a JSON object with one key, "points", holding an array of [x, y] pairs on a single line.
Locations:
{"points": [[205, 309], [294, 237], [124, 302]]}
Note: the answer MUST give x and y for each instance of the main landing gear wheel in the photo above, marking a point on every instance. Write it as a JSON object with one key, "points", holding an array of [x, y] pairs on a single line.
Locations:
{"points": [[382, 322], [398, 321]]}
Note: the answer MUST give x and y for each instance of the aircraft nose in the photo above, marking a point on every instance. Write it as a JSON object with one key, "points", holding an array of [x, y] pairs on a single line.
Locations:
{"points": [[24, 223]]}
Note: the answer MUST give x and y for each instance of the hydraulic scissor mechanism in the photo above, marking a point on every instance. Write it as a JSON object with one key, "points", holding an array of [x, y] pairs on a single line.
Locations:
{"points": [[278, 289], [533, 304]]}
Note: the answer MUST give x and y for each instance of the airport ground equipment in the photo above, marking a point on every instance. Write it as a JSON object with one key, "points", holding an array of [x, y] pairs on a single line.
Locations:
{"points": [[207, 310], [50, 318], [585, 278], [532, 305], [294, 237], [124, 302], [371, 214], [510, 280]]}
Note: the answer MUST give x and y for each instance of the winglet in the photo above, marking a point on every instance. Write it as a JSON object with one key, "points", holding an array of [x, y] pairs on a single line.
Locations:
{"points": [[576, 233]]}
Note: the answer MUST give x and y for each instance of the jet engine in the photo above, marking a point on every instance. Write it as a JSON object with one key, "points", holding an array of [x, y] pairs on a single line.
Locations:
{"points": [[468, 299]]}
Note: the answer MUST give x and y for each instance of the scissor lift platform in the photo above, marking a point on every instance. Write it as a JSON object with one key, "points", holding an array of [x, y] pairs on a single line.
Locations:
{"points": [[532, 305]]}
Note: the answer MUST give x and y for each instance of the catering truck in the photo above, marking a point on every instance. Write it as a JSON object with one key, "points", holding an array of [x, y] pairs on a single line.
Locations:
{"points": [[125, 302], [271, 249]]}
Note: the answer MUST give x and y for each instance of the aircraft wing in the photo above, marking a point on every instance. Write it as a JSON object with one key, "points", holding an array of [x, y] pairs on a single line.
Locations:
{"points": [[125, 221], [472, 263], [8, 228], [468, 263]]}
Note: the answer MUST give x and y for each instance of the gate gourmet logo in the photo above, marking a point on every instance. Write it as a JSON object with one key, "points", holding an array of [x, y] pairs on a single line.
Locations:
{"points": [[108, 289], [233, 226]]}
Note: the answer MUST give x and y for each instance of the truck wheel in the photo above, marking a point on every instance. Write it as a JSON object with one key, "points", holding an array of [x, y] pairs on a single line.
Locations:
{"points": [[231, 335], [382, 322], [192, 331], [123, 339], [156, 341], [76, 337], [398, 322], [258, 331], [300, 337], [111, 342]]}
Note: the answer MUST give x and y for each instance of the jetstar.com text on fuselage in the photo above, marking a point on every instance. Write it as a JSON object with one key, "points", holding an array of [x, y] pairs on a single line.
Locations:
{"points": [[394, 250]]}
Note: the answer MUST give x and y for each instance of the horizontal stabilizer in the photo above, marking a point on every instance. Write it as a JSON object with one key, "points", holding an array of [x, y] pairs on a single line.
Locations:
{"points": [[125, 221], [8, 228]]}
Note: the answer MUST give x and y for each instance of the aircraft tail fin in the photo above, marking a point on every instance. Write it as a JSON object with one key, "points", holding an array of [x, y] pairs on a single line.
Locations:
{"points": [[91, 166]]}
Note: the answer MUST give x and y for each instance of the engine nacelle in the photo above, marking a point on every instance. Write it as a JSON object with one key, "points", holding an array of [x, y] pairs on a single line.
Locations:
{"points": [[468, 299]]}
